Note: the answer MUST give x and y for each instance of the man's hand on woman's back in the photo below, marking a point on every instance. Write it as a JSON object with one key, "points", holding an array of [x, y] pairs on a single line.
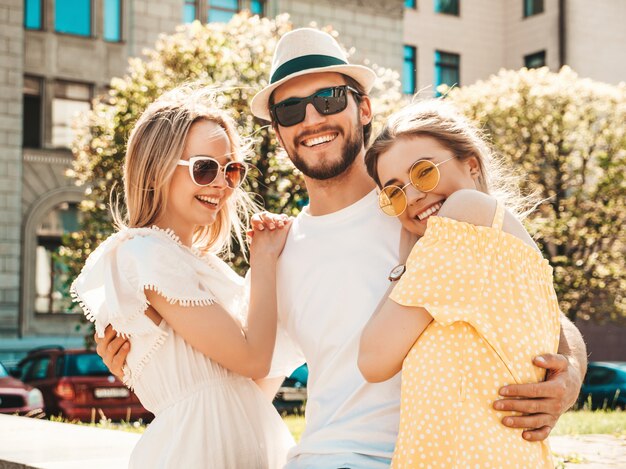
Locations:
{"points": [[113, 350]]}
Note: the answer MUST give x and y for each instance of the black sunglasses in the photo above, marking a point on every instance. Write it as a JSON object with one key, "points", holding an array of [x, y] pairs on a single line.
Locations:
{"points": [[328, 101]]}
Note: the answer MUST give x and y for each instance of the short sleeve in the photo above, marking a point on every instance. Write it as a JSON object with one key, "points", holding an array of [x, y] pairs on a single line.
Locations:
{"points": [[445, 272], [112, 284], [287, 355], [111, 289]]}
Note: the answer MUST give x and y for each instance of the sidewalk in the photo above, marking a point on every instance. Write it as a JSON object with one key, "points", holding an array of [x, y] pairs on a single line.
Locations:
{"points": [[27, 443], [590, 451]]}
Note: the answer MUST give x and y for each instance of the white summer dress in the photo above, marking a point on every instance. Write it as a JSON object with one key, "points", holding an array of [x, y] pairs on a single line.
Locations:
{"points": [[206, 415]]}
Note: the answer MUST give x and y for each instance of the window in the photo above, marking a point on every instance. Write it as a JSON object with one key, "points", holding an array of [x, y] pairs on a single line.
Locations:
{"points": [[32, 14], [31, 116], [113, 20], [221, 11], [447, 69], [51, 274], [536, 60], [410, 4], [73, 17], [532, 7], [190, 11], [256, 7], [85, 364], [409, 70], [448, 7], [70, 100], [597, 376], [35, 369]]}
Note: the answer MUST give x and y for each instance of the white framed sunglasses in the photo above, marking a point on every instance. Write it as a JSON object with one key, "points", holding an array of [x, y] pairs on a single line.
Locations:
{"points": [[205, 169]]}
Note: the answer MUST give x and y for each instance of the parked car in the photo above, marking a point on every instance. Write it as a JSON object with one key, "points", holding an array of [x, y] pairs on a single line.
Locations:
{"points": [[291, 396], [17, 397], [77, 385], [604, 385]]}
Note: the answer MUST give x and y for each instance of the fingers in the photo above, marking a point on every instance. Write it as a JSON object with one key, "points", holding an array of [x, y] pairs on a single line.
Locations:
{"points": [[538, 434], [267, 220], [529, 390], [103, 342], [529, 406], [555, 387], [551, 361], [119, 358], [532, 422], [115, 354]]}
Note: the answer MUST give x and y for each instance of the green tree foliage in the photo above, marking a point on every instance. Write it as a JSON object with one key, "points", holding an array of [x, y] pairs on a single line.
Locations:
{"points": [[235, 57], [567, 137]]}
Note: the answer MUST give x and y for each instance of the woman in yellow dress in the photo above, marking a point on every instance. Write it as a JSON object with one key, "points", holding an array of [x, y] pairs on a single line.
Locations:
{"points": [[475, 304]]}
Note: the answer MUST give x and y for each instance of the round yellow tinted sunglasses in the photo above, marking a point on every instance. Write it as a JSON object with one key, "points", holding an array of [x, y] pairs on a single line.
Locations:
{"points": [[424, 176]]}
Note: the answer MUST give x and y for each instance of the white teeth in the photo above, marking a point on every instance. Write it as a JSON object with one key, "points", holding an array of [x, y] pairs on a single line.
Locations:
{"points": [[318, 140], [429, 211], [210, 200]]}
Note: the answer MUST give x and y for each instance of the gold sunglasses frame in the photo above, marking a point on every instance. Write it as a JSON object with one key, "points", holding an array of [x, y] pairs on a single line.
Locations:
{"points": [[410, 183]]}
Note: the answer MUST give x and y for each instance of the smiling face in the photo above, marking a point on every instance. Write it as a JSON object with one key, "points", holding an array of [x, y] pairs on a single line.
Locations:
{"points": [[455, 174], [189, 205], [322, 147]]}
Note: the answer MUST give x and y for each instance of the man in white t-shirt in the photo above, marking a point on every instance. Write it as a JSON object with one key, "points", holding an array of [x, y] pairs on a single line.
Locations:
{"points": [[335, 266], [339, 253]]}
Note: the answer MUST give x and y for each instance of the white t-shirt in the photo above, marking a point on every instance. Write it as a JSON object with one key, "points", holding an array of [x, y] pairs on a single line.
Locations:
{"points": [[331, 276]]}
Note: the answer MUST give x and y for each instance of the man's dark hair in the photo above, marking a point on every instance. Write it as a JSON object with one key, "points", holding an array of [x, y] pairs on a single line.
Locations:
{"points": [[367, 128]]}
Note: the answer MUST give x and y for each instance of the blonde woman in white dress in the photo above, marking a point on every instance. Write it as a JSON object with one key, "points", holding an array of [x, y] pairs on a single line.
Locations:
{"points": [[196, 342]]}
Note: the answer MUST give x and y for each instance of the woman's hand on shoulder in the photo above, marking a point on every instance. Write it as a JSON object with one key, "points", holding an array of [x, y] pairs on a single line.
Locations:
{"points": [[268, 234]]}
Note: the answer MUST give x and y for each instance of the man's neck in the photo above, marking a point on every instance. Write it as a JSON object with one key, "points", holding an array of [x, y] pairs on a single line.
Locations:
{"points": [[334, 194]]}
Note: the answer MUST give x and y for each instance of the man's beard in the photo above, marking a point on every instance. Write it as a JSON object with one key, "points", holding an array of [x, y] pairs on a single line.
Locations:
{"points": [[351, 148]]}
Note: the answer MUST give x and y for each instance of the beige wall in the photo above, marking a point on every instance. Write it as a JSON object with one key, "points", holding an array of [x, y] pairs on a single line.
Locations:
{"points": [[11, 40], [373, 28], [494, 34], [596, 39], [476, 35], [524, 36], [147, 19]]}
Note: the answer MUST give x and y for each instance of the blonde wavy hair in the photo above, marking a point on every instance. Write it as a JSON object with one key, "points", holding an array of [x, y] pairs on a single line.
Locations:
{"points": [[154, 147], [440, 120]]}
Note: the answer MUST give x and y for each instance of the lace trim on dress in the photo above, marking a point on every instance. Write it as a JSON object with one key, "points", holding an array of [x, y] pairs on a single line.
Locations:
{"points": [[132, 323]]}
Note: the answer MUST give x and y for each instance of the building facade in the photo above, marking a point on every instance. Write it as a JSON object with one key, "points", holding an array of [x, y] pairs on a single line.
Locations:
{"points": [[458, 42], [56, 55]]}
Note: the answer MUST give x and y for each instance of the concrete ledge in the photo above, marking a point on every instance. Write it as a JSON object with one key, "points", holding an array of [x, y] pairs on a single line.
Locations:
{"points": [[27, 443]]}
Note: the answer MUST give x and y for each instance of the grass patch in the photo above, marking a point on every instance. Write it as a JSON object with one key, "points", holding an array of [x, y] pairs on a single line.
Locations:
{"points": [[575, 422], [579, 422], [137, 426], [584, 422], [295, 424]]}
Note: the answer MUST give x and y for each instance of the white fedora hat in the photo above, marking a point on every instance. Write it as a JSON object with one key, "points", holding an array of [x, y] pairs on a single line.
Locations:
{"points": [[303, 51]]}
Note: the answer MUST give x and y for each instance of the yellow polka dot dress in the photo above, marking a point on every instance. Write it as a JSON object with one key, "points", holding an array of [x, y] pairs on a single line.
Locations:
{"points": [[494, 308]]}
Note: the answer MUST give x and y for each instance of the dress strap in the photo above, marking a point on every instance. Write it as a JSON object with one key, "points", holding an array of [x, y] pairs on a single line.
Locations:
{"points": [[498, 218]]}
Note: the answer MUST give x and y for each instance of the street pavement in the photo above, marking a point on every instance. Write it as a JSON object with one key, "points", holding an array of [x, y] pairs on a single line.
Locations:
{"points": [[27, 443], [590, 451]]}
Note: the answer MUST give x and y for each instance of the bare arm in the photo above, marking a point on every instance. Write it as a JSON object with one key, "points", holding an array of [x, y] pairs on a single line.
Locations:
{"points": [[210, 328], [391, 331], [541, 404], [388, 337], [214, 332], [270, 386]]}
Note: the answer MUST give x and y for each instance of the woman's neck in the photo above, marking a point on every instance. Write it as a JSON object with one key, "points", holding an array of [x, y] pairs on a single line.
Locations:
{"points": [[184, 232]]}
